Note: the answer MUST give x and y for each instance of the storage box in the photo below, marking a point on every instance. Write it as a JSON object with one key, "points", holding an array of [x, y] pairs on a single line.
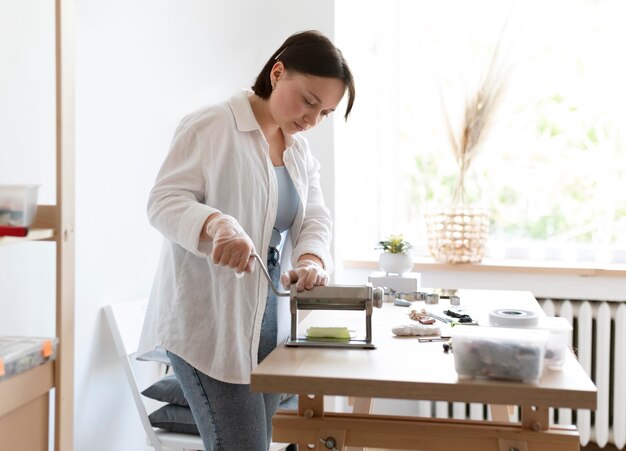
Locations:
{"points": [[560, 330], [499, 352], [407, 283], [18, 204], [18, 354], [558, 340]]}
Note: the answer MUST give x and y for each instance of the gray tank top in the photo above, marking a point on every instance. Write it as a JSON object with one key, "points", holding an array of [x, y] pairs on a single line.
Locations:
{"points": [[288, 203]]}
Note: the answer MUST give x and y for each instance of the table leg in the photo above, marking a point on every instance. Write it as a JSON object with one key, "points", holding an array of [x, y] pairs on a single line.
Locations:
{"points": [[502, 413], [362, 406]]}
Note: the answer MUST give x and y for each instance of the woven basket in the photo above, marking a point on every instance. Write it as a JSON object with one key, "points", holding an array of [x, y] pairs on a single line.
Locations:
{"points": [[457, 234]]}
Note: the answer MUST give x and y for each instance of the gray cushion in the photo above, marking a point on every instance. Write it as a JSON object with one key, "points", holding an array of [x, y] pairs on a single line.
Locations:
{"points": [[167, 390], [176, 416]]}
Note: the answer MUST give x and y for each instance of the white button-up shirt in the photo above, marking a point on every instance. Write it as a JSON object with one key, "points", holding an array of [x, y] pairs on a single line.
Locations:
{"points": [[219, 162]]}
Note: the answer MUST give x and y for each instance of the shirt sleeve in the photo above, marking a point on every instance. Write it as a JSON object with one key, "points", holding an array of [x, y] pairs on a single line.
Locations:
{"points": [[316, 232], [176, 203]]}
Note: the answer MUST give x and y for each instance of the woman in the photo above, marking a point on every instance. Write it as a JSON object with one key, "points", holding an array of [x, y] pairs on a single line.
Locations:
{"points": [[239, 178]]}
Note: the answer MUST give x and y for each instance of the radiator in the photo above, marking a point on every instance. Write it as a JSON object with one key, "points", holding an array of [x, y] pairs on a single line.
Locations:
{"points": [[599, 340]]}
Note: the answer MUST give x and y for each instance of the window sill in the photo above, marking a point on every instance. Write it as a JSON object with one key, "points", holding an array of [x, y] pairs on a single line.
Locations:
{"points": [[583, 269]]}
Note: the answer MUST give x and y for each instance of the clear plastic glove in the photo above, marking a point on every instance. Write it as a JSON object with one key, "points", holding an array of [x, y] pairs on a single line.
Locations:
{"points": [[231, 246], [306, 275]]}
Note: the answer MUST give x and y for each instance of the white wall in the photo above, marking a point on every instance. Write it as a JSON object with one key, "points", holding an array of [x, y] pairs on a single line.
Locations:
{"points": [[141, 66], [26, 156]]}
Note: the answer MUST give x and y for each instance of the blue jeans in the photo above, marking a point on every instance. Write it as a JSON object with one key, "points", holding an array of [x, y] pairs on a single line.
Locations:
{"points": [[230, 417]]}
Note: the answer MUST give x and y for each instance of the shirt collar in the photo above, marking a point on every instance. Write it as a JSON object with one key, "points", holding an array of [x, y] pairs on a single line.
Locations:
{"points": [[244, 116]]}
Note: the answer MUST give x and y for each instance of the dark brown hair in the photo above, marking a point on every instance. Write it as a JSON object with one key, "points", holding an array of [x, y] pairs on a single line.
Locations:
{"points": [[311, 53]]}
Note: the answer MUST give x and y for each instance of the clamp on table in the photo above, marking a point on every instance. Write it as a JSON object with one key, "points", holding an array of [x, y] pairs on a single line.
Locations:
{"points": [[334, 297]]}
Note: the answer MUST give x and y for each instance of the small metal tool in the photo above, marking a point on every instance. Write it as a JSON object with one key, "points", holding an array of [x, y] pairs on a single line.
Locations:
{"points": [[432, 298], [431, 339], [334, 297], [440, 318]]}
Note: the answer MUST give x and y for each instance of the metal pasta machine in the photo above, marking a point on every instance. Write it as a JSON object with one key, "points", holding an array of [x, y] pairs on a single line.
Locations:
{"points": [[334, 297]]}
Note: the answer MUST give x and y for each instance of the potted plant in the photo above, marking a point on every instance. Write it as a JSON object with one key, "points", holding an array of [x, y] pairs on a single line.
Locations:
{"points": [[457, 233], [395, 258]]}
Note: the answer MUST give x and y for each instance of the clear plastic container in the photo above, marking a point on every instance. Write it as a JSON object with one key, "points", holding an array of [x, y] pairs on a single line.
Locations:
{"points": [[499, 352], [18, 354], [18, 204], [560, 330]]}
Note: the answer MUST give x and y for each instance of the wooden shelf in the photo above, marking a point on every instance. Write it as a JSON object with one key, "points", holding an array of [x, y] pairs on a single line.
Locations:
{"points": [[42, 228], [33, 235], [24, 422], [24, 399], [25, 387]]}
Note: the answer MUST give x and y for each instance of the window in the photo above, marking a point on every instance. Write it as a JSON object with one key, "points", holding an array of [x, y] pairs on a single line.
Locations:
{"points": [[551, 160]]}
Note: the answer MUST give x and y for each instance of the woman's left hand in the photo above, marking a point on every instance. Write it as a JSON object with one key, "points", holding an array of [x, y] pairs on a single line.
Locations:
{"points": [[306, 275]]}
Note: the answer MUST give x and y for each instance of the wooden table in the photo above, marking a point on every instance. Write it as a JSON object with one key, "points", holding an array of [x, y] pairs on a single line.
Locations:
{"points": [[403, 368]]}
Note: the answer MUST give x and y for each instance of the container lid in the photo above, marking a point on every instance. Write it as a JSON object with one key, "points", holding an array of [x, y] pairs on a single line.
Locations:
{"points": [[500, 333], [509, 317], [12, 348]]}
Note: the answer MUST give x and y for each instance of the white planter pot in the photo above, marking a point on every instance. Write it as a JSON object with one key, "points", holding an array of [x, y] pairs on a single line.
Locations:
{"points": [[395, 263]]}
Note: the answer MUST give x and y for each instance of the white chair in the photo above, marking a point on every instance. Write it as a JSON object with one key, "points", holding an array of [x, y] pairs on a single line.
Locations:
{"points": [[125, 321]]}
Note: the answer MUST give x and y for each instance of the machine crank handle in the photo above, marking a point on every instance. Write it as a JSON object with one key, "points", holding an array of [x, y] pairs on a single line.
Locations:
{"points": [[267, 276]]}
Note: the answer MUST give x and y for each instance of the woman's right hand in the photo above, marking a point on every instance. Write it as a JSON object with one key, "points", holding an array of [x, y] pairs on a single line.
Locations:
{"points": [[231, 245]]}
